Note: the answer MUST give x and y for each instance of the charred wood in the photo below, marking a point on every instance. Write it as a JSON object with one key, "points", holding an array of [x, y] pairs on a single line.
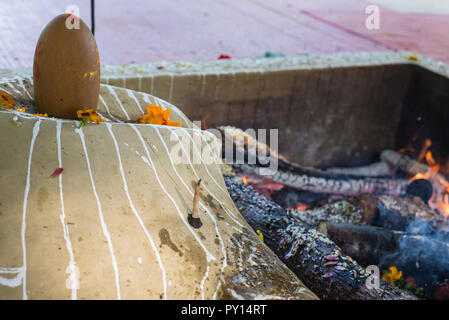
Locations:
{"points": [[328, 183], [378, 169], [397, 213], [296, 176], [315, 259]]}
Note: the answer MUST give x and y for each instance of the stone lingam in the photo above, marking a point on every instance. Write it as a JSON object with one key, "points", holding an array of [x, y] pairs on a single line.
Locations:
{"points": [[100, 211]]}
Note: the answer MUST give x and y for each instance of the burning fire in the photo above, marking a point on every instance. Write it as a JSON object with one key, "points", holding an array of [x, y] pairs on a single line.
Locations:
{"points": [[245, 180], [440, 196], [301, 207]]}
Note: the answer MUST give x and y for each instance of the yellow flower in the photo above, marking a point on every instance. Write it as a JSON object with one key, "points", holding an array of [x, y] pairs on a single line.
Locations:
{"points": [[6, 101], [393, 276], [93, 116], [41, 115], [413, 57], [157, 115]]}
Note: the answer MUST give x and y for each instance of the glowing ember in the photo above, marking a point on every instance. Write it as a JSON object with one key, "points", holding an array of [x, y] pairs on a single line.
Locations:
{"points": [[301, 207]]}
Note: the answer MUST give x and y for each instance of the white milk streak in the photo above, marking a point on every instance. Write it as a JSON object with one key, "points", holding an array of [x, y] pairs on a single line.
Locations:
{"points": [[210, 150], [209, 256], [65, 227], [216, 165], [125, 185], [202, 205], [14, 88], [107, 109], [25, 202], [100, 214], [203, 281], [233, 227], [12, 282], [10, 270], [111, 90], [228, 212], [3, 89], [214, 297], [30, 79], [20, 83], [132, 96]]}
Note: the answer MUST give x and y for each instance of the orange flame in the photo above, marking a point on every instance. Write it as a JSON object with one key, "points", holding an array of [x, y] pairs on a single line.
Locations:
{"points": [[301, 207], [440, 196], [245, 180], [431, 162]]}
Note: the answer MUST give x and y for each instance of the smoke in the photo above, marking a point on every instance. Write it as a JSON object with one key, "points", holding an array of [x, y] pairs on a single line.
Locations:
{"points": [[422, 253]]}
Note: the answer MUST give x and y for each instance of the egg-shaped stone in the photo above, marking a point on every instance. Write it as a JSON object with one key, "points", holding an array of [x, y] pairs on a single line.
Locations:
{"points": [[66, 68]]}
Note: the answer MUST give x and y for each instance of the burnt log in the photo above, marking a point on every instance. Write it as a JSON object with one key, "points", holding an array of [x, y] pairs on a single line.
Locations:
{"points": [[254, 156], [323, 182], [377, 169], [425, 258], [315, 259], [398, 213]]}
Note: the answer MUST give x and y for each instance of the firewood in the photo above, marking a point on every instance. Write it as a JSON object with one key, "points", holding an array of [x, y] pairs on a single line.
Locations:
{"points": [[301, 177], [309, 254], [377, 169], [409, 165], [396, 213], [328, 183]]}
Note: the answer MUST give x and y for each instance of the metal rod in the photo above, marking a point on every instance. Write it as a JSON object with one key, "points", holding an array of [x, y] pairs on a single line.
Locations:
{"points": [[92, 16]]}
